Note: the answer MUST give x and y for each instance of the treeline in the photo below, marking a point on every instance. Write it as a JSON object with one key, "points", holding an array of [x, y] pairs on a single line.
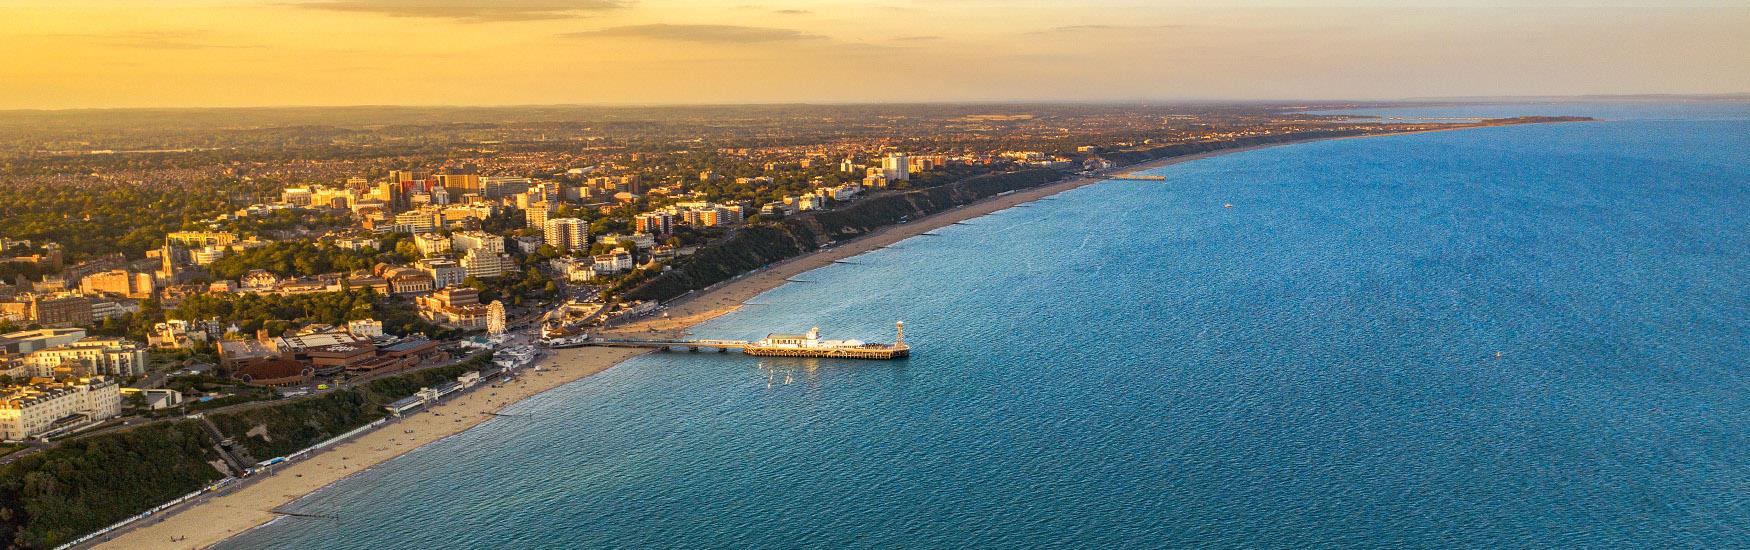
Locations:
{"points": [[280, 312], [286, 428], [83, 485], [1195, 147], [306, 258], [91, 219], [89, 483], [761, 244]]}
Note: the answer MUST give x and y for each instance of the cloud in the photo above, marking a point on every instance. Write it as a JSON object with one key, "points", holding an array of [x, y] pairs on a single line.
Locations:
{"points": [[469, 11], [715, 34], [792, 12], [917, 38]]}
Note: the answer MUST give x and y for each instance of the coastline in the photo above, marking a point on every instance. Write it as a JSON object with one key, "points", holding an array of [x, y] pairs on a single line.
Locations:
{"points": [[213, 519]]}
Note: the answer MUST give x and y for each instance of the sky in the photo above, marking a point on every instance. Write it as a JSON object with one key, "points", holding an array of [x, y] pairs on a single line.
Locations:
{"points": [[233, 53]]}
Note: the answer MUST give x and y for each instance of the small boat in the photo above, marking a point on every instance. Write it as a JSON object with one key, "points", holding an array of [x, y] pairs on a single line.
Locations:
{"points": [[1228, 205]]}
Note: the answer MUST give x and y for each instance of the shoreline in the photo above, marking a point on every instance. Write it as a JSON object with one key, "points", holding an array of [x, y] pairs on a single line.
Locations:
{"points": [[212, 519]]}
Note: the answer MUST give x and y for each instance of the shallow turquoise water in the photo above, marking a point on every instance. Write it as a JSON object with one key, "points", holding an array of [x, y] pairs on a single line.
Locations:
{"points": [[1131, 364]]}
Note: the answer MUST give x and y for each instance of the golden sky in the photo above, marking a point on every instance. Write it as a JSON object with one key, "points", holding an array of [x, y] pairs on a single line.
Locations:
{"points": [[140, 53]]}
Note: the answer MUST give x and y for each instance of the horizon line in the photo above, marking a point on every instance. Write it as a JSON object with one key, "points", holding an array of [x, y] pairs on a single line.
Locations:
{"points": [[1714, 96]]}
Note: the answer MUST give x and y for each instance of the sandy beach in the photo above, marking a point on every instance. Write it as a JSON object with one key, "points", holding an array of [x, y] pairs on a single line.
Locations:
{"points": [[213, 519]]}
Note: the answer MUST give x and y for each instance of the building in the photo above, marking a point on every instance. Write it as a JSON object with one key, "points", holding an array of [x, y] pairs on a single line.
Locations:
{"points": [[258, 280], [468, 241], [155, 398], [333, 358], [537, 213], [654, 223], [118, 281], [629, 242], [208, 255], [895, 167], [274, 373], [175, 334], [451, 297], [431, 244], [407, 280], [46, 409], [576, 270], [417, 221], [365, 328], [26, 341], [483, 265], [235, 354], [104, 309], [463, 183], [613, 262], [528, 244], [59, 309], [566, 234], [444, 272], [89, 356], [454, 307], [705, 214], [200, 239]]}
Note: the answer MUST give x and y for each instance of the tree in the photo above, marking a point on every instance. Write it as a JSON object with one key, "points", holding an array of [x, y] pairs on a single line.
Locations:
{"points": [[407, 250]]}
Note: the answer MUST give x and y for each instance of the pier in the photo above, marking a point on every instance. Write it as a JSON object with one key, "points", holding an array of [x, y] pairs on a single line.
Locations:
{"points": [[808, 344], [1139, 177]]}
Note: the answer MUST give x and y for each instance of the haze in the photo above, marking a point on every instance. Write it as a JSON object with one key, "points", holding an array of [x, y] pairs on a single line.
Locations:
{"points": [[84, 53]]}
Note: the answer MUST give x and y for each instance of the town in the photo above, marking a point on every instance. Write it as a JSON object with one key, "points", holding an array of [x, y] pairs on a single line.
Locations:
{"points": [[231, 308]]}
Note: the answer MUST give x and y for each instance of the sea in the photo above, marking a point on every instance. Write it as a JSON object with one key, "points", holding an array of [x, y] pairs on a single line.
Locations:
{"points": [[1515, 337]]}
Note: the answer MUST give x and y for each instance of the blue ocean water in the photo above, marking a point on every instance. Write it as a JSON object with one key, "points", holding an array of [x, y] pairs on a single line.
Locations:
{"points": [[1532, 336]]}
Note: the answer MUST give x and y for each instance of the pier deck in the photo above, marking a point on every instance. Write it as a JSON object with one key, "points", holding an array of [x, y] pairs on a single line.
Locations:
{"points": [[1139, 177], [773, 345]]}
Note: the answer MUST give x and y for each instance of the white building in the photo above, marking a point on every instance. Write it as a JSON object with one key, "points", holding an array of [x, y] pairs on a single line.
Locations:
{"points": [[481, 265], [96, 355], [613, 262], [27, 411], [467, 241], [444, 272], [175, 333], [26, 341], [576, 270], [895, 167], [431, 244], [365, 328], [566, 234]]}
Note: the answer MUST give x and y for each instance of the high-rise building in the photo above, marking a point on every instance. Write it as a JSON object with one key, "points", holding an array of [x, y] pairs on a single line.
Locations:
{"points": [[654, 223], [566, 234], [895, 167], [537, 213], [462, 183]]}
